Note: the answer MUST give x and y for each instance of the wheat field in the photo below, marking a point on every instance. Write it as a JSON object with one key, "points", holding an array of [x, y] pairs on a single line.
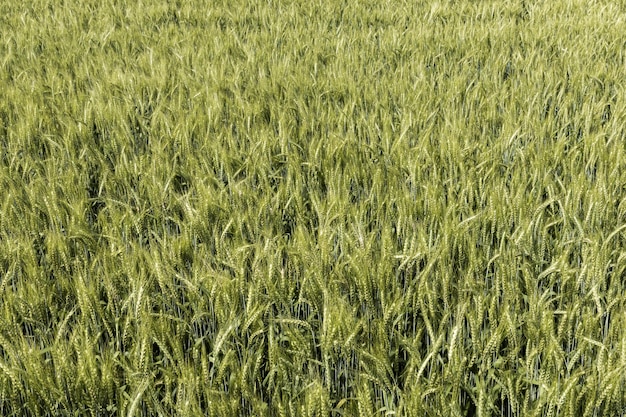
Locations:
{"points": [[322, 208]]}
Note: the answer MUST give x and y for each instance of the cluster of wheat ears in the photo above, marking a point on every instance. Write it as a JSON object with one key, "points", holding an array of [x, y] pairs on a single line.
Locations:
{"points": [[312, 208]]}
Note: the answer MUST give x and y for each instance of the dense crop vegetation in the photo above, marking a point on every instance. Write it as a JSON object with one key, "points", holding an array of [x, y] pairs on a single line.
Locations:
{"points": [[329, 207]]}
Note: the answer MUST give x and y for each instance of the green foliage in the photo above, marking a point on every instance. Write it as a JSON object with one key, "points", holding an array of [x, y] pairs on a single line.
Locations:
{"points": [[326, 208]]}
